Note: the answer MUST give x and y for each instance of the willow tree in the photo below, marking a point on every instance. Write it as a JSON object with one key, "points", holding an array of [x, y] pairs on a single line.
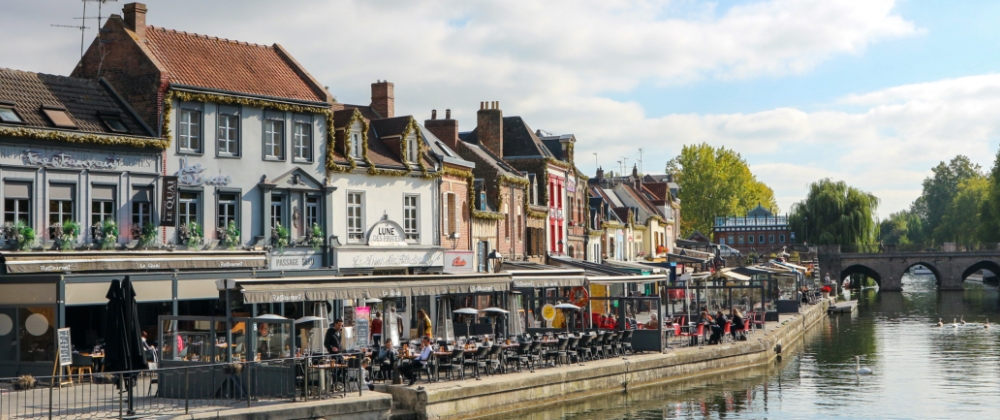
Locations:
{"points": [[715, 182], [836, 214]]}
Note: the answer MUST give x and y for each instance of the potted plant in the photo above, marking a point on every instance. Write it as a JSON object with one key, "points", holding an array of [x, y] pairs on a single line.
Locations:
{"points": [[190, 234], [825, 290], [229, 236], [279, 237], [105, 233], [25, 382], [147, 235], [22, 234], [315, 237]]}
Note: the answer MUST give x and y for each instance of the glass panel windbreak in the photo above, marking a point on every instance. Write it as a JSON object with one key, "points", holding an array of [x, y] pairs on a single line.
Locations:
{"points": [[8, 334], [36, 335]]}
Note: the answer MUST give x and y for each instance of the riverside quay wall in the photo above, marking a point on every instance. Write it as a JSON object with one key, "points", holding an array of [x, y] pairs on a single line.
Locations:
{"points": [[511, 392]]}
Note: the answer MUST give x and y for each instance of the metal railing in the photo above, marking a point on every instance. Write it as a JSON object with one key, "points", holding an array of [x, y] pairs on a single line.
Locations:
{"points": [[918, 248], [168, 390]]}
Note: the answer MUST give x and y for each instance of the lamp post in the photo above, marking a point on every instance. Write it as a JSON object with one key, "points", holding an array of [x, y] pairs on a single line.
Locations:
{"points": [[494, 258]]}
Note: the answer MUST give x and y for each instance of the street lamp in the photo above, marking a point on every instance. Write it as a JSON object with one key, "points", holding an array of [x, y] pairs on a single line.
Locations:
{"points": [[494, 257]]}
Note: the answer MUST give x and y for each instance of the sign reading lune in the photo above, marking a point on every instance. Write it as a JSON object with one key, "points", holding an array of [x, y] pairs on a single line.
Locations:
{"points": [[386, 233]]}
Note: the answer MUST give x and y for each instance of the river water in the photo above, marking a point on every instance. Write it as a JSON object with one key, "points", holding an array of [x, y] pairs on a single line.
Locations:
{"points": [[921, 371]]}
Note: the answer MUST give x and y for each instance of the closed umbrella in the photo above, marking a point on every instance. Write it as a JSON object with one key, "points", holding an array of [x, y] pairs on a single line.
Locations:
{"points": [[124, 351]]}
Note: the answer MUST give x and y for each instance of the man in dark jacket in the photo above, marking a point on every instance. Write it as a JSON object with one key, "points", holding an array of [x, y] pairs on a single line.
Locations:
{"points": [[334, 337]]}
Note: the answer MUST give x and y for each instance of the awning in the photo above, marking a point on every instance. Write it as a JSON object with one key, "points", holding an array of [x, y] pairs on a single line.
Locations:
{"points": [[685, 258], [336, 288], [83, 261], [735, 276], [535, 279], [626, 279], [797, 267], [645, 268]]}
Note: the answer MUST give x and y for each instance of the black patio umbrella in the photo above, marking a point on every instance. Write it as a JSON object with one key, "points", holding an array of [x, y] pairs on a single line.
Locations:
{"points": [[124, 352]]}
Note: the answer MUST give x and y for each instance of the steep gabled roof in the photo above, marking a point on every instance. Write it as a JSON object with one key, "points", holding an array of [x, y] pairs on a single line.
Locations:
{"points": [[519, 140], [231, 66], [84, 102]]}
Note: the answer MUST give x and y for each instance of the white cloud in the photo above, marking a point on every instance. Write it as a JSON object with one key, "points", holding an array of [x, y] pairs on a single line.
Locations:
{"points": [[555, 63]]}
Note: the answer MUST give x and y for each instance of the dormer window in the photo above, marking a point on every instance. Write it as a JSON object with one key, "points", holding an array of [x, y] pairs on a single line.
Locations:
{"points": [[411, 149], [356, 145], [58, 116], [113, 121], [8, 115]]}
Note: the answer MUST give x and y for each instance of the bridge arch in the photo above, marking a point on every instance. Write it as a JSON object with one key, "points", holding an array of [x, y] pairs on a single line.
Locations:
{"points": [[930, 266], [981, 265], [861, 269]]}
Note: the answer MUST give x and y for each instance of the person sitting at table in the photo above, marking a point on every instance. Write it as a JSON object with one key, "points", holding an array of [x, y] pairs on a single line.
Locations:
{"points": [[334, 337], [409, 371], [653, 322], [738, 324], [718, 328], [386, 354], [603, 322], [268, 345]]}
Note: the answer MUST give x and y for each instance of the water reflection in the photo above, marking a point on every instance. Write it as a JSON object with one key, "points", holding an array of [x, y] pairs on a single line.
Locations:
{"points": [[921, 370]]}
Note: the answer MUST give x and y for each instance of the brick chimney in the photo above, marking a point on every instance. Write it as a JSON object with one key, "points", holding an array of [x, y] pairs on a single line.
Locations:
{"points": [[383, 99], [490, 127], [135, 18], [445, 130]]}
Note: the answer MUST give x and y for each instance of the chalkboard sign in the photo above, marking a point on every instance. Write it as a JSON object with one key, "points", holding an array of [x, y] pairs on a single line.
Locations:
{"points": [[65, 347]]}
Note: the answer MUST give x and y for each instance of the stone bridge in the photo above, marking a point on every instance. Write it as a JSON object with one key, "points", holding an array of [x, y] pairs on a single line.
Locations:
{"points": [[887, 268]]}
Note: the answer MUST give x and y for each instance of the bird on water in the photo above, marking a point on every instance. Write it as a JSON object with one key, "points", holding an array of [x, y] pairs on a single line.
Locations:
{"points": [[861, 370]]}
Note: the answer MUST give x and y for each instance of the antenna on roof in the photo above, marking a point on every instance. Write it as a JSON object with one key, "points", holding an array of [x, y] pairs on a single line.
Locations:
{"points": [[83, 22], [640, 161]]}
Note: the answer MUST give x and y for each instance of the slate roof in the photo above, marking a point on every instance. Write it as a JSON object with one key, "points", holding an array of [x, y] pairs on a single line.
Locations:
{"points": [[519, 140], [379, 152], [489, 158], [221, 64], [83, 99], [442, 151]]}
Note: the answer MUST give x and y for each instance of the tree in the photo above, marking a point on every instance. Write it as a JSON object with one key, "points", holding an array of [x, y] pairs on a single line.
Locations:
{"points": [[834, 213], [902, 228], [960, 221], [714, 183], [939, 191], [989, 213]]}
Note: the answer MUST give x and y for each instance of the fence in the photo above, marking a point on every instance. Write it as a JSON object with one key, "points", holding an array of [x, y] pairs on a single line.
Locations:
{"points": [[171, 390]]}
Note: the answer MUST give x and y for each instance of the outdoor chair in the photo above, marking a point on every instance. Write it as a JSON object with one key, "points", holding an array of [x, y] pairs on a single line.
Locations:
{"points": [[426, 369], [559, 351], [493, 359], [451, 364], [626, 342], [535, 354], [80, 365], [521, 356], [693, 336], [608, 344], [571, 355], [727, 331], [758, 320], [476, 360], [583, 347], [597, 345]]}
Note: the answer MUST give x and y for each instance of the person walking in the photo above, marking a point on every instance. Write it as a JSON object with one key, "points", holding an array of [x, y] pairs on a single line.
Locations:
{"points": [[376, 338], [424, 327]]}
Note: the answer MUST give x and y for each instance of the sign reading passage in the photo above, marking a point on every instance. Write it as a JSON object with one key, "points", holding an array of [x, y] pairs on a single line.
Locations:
{"points": [[65, 347], [168, 209]]}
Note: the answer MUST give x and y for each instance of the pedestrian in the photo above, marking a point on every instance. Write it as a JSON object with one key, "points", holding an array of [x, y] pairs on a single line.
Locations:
{"points": [[376, 338]]}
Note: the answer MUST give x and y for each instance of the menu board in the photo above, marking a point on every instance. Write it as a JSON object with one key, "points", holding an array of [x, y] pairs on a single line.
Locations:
{"points": [[65, 347], [361, 325]]}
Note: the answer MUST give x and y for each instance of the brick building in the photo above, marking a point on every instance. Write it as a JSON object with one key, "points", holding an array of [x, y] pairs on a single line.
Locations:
{"points": [[760, 232]]}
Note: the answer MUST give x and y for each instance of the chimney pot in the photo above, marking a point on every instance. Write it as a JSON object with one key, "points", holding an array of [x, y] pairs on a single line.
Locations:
{"points": [[135, 18], [490, 128], [447, 114], [384, 99], [434, 114]]}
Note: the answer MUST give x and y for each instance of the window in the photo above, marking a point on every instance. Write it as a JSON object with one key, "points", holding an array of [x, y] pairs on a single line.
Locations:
{"points": [[142, 209], [410, 227], [451, 215], [760, 239], [189, 130], [312, 211], [187, 208], [60, 204], [770, 238], [17, 202], [114, 122], [228, 205], [730, 239], [355, 224], [356, 145], [739, 240], [58, 116], [8, 115], [302, 142], [520, 225], [274, 136], [781, 238], [533, 189], [750, 239], [277, 210], [411, 148], [506, 220], [229, 131], [102, 204]]}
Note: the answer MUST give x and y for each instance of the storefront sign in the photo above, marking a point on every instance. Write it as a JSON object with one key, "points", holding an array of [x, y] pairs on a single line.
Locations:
{"points": [[65, 347], [456, 262], [79, 262], [190, 175], [549, 312], [302, 261], [365, 257], [65, 160], [386, 233], [168, 207]]}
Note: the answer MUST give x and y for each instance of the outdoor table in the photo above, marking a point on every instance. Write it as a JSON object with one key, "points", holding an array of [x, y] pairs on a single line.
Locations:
{"points": [[692, 328], [98, 359], [329, 369]]}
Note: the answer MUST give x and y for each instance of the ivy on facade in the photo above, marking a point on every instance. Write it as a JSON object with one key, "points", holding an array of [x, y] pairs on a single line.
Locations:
{"points": [[82, 138]]}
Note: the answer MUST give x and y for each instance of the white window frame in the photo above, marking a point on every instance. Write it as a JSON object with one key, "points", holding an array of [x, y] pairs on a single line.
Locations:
{"points": [[356, 145], [312, 213], [274, 138], [61, 213], [142, 212], [302, 142], [105, 211], [355, 216], [411, 149], [189, 138], [16, 213], [223, 215], [411, 217], [228, 141], [278, 210], [187, 207]]}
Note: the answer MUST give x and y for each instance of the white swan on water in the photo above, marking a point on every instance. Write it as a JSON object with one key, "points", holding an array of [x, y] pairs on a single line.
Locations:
{"points": [[962, 320], [987, 324], [954, 323], [940, 323], [861, 370]]}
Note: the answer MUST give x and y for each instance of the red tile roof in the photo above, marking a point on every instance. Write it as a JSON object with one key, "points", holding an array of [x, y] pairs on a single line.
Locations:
{"points": [[221, 64]]}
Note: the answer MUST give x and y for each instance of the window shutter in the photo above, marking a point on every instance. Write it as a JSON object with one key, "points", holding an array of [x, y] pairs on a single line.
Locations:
{"points": [[100, 192], [61, 192], [452, 214]]}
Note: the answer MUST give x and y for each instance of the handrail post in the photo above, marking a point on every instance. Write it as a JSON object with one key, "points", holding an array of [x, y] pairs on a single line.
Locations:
{"points": [[249, 370], [121, 393], [187, 399], [51, 384]]}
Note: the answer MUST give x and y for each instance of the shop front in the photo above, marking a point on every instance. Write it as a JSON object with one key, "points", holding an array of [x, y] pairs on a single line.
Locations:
{"points": [[386, 251]]}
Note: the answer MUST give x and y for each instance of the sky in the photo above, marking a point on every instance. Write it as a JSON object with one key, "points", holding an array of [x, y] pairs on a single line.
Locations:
{"points": [[871, 92]]}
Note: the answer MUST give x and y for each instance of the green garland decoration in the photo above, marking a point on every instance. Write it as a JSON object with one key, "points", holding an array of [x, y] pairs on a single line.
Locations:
{"points": [[83, 138]]}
